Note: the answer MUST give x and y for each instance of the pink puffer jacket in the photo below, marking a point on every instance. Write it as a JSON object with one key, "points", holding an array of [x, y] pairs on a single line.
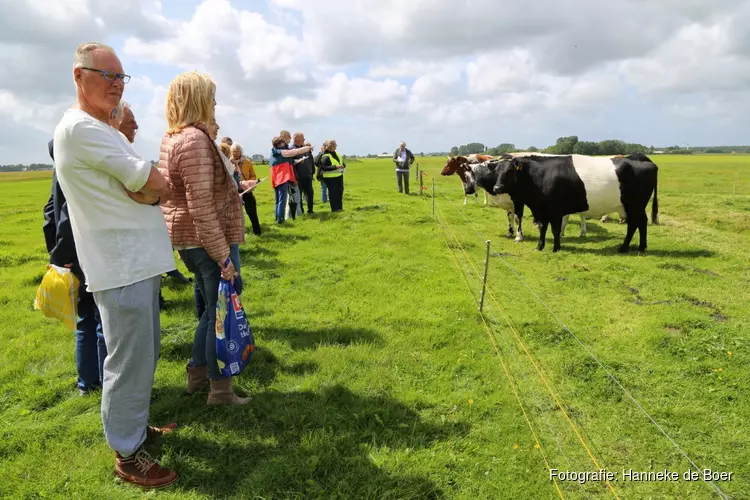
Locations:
{"points": [[205, 209]]}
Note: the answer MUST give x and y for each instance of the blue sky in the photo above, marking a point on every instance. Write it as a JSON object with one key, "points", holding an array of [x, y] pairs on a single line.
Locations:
{"points": [[373, 72]]}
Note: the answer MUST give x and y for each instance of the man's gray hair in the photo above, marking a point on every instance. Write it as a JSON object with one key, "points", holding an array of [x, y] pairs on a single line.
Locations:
{"points": [[119, 111], [402, 144], [298, 134], [238, 146], [84, 58]]}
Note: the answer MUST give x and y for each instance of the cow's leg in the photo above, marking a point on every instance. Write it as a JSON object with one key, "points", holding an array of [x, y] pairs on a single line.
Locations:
{"points": [[564, 225], [642, 225], [466, 199], [583, 226], [485, 198], [632, 226], [556, 223], [542, 234], [604, 219], [519, 231], [510, 224]]}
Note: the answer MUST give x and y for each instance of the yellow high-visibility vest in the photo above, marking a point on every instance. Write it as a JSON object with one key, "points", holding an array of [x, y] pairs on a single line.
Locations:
{"points": [[335, 163]]}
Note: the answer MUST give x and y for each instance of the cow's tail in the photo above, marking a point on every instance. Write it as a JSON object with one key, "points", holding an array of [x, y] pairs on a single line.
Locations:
{"points": [[655, 204]]}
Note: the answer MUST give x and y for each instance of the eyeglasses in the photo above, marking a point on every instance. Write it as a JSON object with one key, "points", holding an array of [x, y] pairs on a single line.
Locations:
{"points": [[111, 76]]}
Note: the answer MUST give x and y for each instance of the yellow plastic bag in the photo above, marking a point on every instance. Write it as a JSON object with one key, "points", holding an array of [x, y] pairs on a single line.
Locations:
{"points": [[57, 296]]}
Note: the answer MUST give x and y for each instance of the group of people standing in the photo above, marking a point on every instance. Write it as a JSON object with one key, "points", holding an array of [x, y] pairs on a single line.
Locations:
{"points": [[292, 170], [115, 220]]}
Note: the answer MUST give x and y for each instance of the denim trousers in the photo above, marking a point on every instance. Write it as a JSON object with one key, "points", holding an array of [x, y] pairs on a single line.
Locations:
{"points": [[91, 348], [282, 194], [207, 275]]}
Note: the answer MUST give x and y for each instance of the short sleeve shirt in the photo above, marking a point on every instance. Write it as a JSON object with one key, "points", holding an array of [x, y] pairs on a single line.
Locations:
{"points": [[119, 242]]}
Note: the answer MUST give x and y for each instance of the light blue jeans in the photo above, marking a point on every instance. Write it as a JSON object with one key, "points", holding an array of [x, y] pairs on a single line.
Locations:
{"points": [[324, 192]]}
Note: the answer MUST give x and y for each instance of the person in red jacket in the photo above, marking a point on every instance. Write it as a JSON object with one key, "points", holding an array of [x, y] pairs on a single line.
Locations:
{"points": [[282, 172]]}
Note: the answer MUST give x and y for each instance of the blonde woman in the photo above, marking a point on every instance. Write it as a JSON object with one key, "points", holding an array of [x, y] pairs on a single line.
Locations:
{"points": [[234, 248], [204, 217], [244, 167]]}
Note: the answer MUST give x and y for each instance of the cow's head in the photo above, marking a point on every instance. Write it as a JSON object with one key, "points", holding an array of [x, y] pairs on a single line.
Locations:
{"points": [[455, 164], [507, 171], [481, 175]]}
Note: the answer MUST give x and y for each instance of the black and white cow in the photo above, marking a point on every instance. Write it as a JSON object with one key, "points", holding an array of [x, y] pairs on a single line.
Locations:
{"points": [[473, 160], [477, 171], [556, 186], [469, 172]]}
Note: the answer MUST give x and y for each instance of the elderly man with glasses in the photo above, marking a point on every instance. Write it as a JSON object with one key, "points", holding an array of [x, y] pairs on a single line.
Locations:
{"points": [[403, 158], [123, 248]]}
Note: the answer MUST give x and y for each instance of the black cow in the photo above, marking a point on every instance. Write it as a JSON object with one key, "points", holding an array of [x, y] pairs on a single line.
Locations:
{"points": [[556, 186]]}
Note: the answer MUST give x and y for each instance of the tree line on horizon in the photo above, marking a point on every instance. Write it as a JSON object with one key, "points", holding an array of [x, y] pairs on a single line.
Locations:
{"points": [[572, 145], [563, 146]]}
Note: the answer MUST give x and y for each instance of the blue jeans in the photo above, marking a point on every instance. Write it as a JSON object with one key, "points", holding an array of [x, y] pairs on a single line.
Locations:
{"points": [[234, 254], [324, 191], [282, 194], [91, 349], [207, 276]]}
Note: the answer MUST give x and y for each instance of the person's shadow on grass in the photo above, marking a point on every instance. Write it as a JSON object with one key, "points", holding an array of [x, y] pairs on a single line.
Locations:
{"points": [[303, 444]]}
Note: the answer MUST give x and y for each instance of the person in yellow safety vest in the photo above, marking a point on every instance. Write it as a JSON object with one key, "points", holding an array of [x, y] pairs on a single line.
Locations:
{"points": [[331, 171]]}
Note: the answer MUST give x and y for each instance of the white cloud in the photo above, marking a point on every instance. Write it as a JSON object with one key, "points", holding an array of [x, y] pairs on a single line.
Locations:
{"points": [[370, 71], [39, 116], [697, 59], [340, 94]]}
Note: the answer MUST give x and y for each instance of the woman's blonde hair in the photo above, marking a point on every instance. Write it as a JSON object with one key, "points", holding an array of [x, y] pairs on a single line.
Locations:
{"points": [[238, 146], [225, 149], [190, 100]]}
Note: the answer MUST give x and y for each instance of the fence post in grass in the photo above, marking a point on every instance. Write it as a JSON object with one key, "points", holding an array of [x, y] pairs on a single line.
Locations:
{"points": [[484, 278], [433, 197]]}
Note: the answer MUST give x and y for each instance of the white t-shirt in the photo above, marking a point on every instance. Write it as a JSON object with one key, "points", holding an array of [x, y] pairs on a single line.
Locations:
{"points": [[119, 242]]}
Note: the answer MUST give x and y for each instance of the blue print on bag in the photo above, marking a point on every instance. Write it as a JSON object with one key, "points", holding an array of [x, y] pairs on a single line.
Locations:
{"points": [[235, 343]]}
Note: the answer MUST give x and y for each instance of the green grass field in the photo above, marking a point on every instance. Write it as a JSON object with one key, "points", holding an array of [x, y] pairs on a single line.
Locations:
{"points": [[375, 376]]}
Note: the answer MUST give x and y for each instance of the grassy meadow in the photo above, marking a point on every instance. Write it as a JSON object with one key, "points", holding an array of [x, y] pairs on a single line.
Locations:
{"points": [[374, 375]]}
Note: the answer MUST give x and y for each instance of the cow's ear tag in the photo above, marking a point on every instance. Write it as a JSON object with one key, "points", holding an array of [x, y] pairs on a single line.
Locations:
{"points": [[518, 168]]}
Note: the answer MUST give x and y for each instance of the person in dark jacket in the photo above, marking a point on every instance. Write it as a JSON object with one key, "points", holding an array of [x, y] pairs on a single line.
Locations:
{"points": [[331, 171], [304, 169], [403, 158], [90, 346]]}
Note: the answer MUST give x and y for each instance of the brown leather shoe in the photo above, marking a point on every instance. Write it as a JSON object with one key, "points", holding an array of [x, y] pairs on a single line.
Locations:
{"points": [[222, 393], [154, 433], [197, 379], [142, 470]]}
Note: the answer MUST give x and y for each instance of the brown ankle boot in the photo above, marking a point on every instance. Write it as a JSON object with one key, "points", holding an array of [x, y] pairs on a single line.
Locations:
{"points": [[222, 393], [142, 470], [197, 379]]}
